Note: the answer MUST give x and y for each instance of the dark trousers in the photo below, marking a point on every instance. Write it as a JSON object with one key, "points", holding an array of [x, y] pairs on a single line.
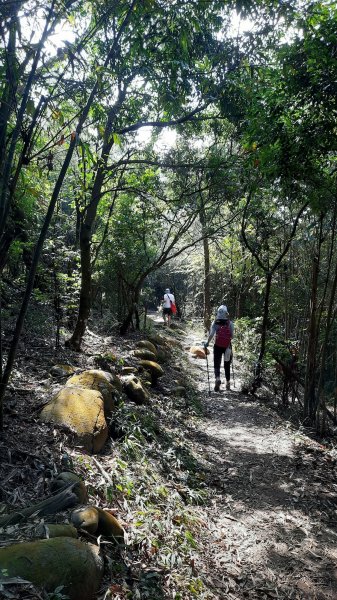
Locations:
{"points": [[218, 352]]}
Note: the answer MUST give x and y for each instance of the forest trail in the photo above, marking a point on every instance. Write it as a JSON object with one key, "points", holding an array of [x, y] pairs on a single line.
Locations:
{"points": [[272, 517]]}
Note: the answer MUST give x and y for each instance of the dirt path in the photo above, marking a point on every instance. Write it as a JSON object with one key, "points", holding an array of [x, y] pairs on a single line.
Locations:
{"points": [[272, 519]]}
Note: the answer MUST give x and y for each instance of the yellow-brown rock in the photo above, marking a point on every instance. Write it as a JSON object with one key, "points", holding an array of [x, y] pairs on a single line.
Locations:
{"points": [[147, 344], [82, 411], [52, 530], [108, 525], [145, 354], [134, 390], [153, 368], [60, 561], [128, 370], [198, 352], [85, 518], [97, 521], [95, 379]]}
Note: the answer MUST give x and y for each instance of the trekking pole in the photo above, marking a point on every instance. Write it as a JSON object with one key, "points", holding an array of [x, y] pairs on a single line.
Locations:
{"points": [[209, 385], [233, 369]]}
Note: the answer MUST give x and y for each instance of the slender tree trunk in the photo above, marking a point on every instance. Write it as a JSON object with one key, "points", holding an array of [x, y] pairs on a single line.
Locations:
{"points": [[207, 286], [132, 310], [310, 377], [7, 105], [8, 164], [38, 250], [86, 287], [87, 228], [264, 330], [327, 332], [207, 271], [31, 278]]}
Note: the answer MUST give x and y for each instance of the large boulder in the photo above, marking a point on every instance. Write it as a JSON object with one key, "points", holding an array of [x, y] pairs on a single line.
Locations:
{"points": [[102, 381], [153, 368], [82, 411], [60, 561], [134, 390]]}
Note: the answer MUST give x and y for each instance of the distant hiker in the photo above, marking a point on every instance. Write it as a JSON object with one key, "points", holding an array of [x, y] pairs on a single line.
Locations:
{"points": [[169, 305], [223, 329]]}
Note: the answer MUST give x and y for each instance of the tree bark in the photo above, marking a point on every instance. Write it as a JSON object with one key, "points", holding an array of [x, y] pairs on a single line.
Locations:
{"points": [[132, 310], [310, 377], [207, 286], [264, 331]]}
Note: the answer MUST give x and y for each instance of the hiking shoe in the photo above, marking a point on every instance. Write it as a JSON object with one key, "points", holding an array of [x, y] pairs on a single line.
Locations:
{"points": [[217, 385], [228, 385]]}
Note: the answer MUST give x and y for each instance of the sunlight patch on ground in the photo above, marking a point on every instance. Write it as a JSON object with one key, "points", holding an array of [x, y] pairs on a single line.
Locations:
{"points": [[252, 438]]}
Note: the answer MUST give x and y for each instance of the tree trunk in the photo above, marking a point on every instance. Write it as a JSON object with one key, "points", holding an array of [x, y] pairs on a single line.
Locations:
{"points": [[264, 330], [207, 286], [37, 253], [328, 325], [133, 309], [86, 287], [310, 377]]}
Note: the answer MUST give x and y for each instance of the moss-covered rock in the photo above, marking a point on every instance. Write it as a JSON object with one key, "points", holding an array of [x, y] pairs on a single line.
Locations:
{"points": [[82, 411], [52, 530], [94, 379], [108, 525], [62, 370], [148, 345], [163, 354], [129, 370], [85, 518], [157, 340], [97, 521], [134, 390], [145, 354], [179, 391], [60, 561], [153, 368], [65, 479]]}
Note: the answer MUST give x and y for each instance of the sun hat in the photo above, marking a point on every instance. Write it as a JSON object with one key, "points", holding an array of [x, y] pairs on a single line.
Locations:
{"points": [[222, 312]]}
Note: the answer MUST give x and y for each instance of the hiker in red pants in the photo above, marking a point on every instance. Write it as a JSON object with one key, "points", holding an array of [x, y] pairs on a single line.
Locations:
{"points": [[223, 329]]}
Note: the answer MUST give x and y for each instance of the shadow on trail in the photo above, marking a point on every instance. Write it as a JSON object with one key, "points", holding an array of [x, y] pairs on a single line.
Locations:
{"points": [[274, 519]]}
